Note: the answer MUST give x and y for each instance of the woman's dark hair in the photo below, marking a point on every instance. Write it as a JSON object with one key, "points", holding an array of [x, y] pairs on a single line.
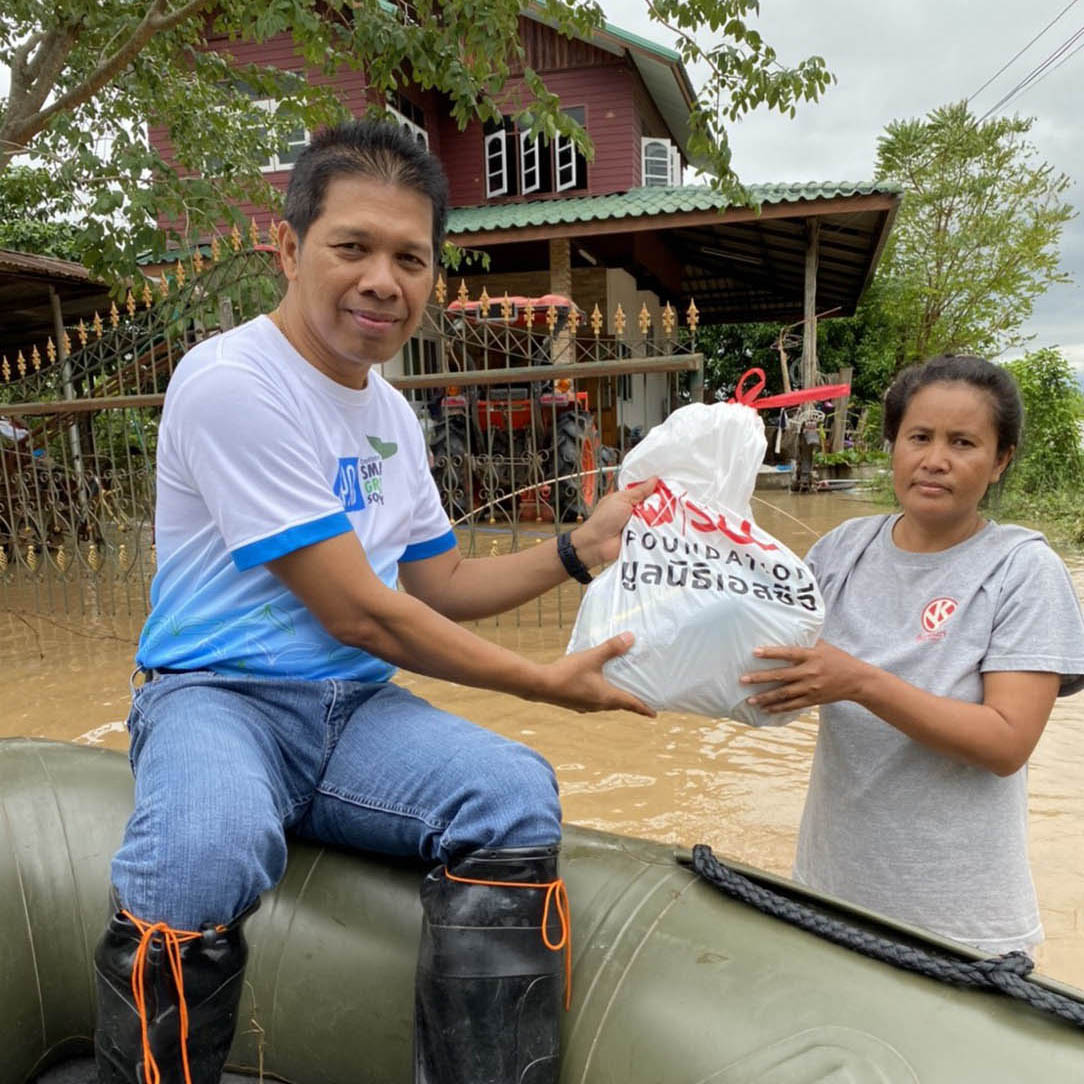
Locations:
{"points": [[1008, 409], [365, 148]]}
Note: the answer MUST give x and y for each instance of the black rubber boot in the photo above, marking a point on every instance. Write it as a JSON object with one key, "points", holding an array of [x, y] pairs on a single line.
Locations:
{"points": [[212, 967], [488, 989]]}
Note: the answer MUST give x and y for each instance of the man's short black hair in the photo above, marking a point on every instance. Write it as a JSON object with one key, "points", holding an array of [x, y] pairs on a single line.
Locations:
{"points": [[365, 148]]}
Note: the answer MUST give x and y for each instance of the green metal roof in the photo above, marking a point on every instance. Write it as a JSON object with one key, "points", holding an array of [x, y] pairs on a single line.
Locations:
{"points": [[638, 202], [642, 43]]}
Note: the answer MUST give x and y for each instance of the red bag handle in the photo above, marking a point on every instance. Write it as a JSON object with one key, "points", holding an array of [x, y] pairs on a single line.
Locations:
{"points": [[750, 396], [747, 395]]}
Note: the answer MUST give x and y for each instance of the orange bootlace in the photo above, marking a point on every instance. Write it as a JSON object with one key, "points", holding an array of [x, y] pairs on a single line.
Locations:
{"points": [[557, 897], [172, 939]]}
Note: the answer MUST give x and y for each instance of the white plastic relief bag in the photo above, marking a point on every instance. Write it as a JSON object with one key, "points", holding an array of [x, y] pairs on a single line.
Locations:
{"points": [[697, 582]]}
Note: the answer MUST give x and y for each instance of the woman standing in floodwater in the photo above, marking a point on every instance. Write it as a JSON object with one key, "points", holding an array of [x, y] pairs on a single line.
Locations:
{"points": [[946, 641]]}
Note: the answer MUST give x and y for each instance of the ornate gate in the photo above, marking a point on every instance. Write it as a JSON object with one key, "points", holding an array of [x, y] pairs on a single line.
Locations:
{"points": [[78, 426], [527, 405]]}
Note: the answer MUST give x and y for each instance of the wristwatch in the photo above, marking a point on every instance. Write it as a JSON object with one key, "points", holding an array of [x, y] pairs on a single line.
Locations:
{"points": [[571, 559]]}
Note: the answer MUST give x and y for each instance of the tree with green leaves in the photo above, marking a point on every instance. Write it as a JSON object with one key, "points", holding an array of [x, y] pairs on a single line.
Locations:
{"points": [[1043, 485], [1050, 457], [864, 342], [976, 238], [974, 244], [27, 226], [88, 75]]}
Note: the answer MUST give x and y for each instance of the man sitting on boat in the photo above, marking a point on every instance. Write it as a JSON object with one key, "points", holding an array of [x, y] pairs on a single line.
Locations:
{"points": [[293, 492]]}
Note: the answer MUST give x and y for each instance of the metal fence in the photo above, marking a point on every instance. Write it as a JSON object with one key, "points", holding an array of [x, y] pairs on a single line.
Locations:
{"points": [[527, 406], [530, 408], [78, 429]]}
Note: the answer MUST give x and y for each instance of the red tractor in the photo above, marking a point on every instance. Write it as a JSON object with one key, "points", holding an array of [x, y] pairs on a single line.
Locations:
{"points": [[532, 441]]}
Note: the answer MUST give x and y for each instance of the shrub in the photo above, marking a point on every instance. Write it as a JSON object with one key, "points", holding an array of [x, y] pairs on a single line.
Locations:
{"points": [[1050, 457], [852, 456]]}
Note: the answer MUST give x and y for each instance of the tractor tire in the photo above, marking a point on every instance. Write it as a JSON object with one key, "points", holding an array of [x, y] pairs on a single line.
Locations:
{"points": [[578, 447], [452, 469]]}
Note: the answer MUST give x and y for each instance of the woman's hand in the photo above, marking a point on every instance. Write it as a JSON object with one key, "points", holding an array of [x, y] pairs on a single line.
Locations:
{"points": [[821, 674], [999, 734]]}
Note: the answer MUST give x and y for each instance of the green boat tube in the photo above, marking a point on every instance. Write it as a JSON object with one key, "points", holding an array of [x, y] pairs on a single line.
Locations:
{"points": [[673, 982]]}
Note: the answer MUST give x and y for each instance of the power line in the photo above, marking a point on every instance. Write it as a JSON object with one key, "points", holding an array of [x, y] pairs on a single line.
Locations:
{"points": [[1053, 69], [1014, 58], [1036, 72]]}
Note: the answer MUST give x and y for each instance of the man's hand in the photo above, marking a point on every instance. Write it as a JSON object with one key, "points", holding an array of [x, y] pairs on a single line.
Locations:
{"points": [[576, 681], [598, 539], [465, 589], [821, 674]]}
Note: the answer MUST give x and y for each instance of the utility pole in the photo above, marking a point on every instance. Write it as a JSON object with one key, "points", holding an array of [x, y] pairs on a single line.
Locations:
{"points": [[808, 437]]}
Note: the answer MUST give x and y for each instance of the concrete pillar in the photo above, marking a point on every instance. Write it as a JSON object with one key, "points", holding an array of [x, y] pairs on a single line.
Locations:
{"points": [[561, 283], [561, 266], [69, 389]]}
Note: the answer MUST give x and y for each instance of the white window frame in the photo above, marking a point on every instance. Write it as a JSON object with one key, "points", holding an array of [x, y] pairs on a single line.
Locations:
{"points": [[496, 180], [653, 178], [530, 163], [675, 166], [564, 160], [274, 164], [415, 131]]}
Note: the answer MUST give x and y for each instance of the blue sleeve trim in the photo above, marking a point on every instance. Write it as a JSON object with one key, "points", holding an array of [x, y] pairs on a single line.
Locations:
{"points": [[293, 538], [420, 550]]}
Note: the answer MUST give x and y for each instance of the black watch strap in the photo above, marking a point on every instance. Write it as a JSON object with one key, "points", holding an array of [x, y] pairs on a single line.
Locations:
{"points": [[571, 559]]}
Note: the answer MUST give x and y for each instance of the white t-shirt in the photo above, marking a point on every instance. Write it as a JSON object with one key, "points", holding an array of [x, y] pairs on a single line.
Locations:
{"points": [[890, 824], [260, 454]]}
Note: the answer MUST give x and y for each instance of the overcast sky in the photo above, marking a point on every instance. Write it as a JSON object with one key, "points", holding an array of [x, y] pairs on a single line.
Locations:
{"points": [[895, 60]]}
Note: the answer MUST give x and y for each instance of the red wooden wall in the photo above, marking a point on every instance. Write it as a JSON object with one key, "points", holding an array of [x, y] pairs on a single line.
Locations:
{"points": [[618, 111]]}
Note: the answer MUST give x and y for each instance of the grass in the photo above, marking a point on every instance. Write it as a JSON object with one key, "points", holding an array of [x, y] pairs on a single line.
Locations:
{"points": [[1058, 513]]}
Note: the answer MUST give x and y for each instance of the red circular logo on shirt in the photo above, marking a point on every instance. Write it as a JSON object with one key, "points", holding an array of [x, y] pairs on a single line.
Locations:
{"points": [[937, 613]]}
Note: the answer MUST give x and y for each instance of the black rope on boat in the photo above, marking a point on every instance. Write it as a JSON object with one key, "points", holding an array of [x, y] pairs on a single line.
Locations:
{"points": [[1006, 973]]}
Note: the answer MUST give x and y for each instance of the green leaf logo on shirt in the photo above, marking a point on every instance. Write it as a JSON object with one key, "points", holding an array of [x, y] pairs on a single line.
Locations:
{"points": [[278, 617], [385, 449]]}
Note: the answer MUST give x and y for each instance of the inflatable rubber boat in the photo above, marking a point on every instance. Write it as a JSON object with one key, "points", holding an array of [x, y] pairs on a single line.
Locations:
{"points": [[673, 981]]}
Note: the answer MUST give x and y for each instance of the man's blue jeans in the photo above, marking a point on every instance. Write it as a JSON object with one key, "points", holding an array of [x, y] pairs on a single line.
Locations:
{"points": [[225, 765]]}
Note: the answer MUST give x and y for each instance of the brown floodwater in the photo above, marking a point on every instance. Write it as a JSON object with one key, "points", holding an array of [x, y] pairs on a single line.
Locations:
{"points": [[681, 779]]}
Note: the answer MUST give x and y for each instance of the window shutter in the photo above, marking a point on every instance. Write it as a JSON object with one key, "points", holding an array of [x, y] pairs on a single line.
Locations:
{"points": [[296, 141], [675, 166], [268, 106], [656, 162], [564, 153], [496, 155], [412, 128], [529, 155]]}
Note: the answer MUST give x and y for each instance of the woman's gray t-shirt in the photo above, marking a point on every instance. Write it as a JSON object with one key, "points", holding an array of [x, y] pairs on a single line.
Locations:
{"points": [[893, 825]]}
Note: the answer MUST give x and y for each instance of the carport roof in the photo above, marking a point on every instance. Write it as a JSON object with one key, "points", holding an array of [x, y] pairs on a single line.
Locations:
{"points": [[692, 243], [26, 315]]}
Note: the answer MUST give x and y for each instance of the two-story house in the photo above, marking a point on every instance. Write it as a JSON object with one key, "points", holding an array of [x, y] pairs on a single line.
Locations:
{"points": [[620, 229]]}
